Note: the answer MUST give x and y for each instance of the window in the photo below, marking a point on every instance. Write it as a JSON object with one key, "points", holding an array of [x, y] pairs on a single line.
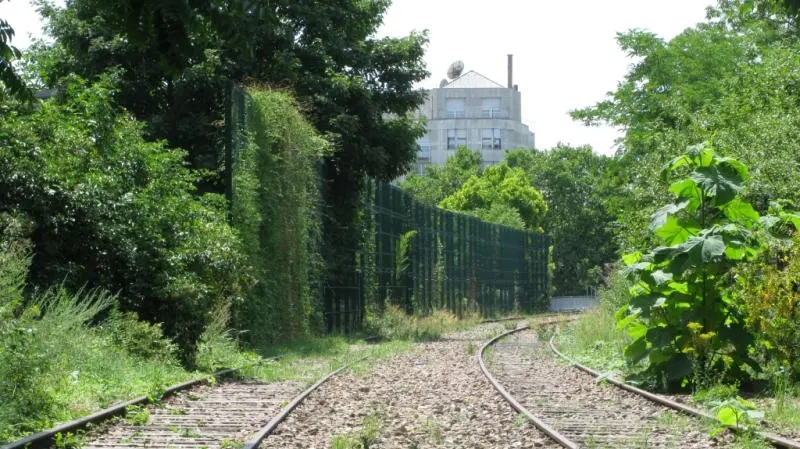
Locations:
{"points": [[456, 138], [455, 107], [424, 147], [490, 139], [490, 107]]}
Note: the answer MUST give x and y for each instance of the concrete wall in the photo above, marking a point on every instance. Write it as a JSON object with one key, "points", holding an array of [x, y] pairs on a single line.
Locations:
{"points": [[513, 133]]}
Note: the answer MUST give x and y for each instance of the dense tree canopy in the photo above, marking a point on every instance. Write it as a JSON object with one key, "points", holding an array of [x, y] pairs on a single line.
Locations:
{"points": [[441, 181], [502, 194], [574, 183]]}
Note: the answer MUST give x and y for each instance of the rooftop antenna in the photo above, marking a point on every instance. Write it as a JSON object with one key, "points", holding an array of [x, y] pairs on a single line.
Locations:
{"points": [[443, 83], [455, 70]]}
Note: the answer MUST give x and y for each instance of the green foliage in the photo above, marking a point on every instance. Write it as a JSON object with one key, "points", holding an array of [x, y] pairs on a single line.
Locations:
{"points": [[139, 338], [682, 317], [730, 81], [501, 192], [106, 209], [439, 182], [394, 324], [55, 367], [575, 184], [767, 292], [276, 210], [9, 80]]}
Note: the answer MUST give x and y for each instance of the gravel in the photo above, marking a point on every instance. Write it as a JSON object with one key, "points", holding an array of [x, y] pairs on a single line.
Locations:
{"points": [[433, 397]]}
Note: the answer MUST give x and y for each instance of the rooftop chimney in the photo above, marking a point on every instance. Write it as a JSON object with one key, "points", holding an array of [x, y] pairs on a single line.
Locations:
{"points": [[510, 71]]}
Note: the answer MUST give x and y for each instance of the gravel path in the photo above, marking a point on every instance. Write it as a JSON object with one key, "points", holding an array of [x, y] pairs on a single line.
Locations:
{"points": [[203, 417], [590, 413], [435, 397]]}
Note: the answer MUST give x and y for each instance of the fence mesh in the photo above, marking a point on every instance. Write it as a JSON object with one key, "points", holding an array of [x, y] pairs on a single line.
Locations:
{"points": [[420, 257]]}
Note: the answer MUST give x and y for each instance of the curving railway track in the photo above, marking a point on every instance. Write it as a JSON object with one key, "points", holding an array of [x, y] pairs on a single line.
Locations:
{"points": [[568, 402], [433, 397]]}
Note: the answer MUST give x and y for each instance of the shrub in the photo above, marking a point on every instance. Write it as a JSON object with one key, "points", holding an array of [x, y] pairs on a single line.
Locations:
{"points": [[768, 291], [111, 210], [682, 317], [395, 324]]}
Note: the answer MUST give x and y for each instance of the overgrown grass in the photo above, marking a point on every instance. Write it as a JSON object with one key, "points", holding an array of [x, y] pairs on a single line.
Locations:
{"points": [[55, 367], [594, 339], [395, 324]]}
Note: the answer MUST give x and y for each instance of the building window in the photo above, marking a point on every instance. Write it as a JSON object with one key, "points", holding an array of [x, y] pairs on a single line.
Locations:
{"points": [[490, 107], [490, 139], [455, 108], [424, 147], [456, 138]]}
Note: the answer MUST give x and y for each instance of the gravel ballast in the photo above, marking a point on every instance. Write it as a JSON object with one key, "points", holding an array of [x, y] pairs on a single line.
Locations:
{"points": [[433, 397]]}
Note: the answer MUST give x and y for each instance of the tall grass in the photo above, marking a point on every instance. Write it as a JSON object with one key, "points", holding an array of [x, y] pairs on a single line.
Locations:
{"points": [[594, 339], [56, 366]]}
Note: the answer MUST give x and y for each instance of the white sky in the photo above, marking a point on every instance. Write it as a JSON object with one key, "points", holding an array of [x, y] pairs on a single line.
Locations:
{"points": [[565, 53]]}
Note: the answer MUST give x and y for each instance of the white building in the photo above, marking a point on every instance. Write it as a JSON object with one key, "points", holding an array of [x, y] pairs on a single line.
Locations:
{"points": [[476, 112]]}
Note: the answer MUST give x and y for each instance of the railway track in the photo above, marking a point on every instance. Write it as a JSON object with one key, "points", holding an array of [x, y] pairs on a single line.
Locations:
{"points": [[196, 414], [572, 407]]}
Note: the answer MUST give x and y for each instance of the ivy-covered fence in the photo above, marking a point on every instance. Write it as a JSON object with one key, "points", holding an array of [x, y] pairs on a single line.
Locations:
{"points": [[423, 258], [410, 254]]}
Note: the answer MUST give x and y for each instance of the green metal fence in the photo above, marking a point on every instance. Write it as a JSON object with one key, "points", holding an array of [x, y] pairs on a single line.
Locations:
{"points": [[423, 258], [418, 256]]}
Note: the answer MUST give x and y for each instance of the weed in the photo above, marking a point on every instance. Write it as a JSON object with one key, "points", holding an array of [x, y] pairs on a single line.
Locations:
{"points": [[471, 349], [137, 415], [520, 420], [434, 431], [228, 444]]}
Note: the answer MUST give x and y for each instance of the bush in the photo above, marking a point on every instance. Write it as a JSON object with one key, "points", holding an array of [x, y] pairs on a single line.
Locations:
{"points": [[109, 210], [395, 324], [55, 367], [768, 292]]}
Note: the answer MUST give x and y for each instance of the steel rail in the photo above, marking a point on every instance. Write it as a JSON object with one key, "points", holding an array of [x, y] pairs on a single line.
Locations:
{"points": [[773, 438], [541, 425], [255, 441], [45, 438]]}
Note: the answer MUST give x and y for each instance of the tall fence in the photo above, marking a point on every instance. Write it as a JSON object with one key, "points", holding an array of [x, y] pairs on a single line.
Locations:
{"points": [[411, 254], [422, 258]]}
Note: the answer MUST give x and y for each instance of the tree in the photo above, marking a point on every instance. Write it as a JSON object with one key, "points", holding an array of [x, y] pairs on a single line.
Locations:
{"points": [[503, 195], [177, 58], [441, 181], [9, 79], [729, 81], [574, 182]]}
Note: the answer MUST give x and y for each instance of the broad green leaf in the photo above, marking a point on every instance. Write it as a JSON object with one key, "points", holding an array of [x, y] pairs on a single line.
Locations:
{"points": [[713, 248], [675, 231], [741, 212], [637, 330], [637, 267], [660, 277], [687, 189], [660, 337], [728, 416], [718, 182], [636, 351], [632, 258], [677, 163], [735, 252], [623, 323], [740, 168], [680, 287], [660, 216]]}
